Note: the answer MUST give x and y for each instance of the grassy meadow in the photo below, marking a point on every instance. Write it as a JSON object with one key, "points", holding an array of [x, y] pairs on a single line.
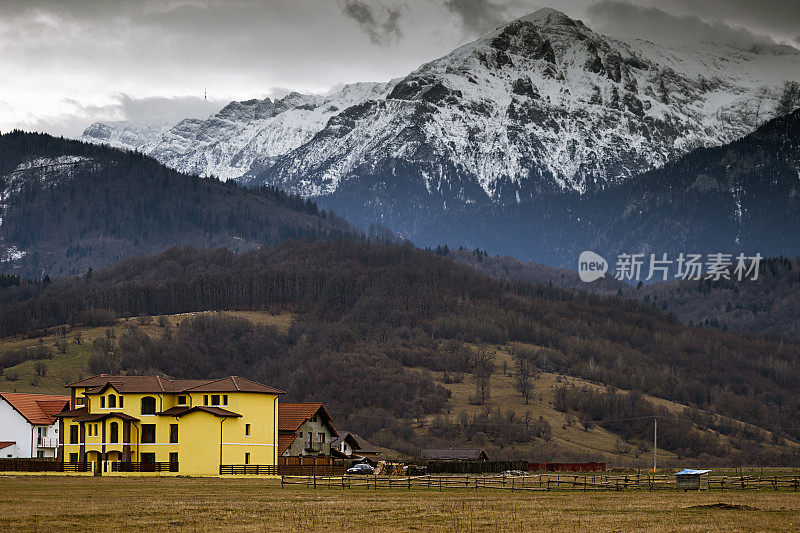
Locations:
{"points": [[53, 503]]}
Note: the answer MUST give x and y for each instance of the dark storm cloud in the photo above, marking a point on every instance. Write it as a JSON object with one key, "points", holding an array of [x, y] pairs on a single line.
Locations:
{"points": [[380, 33], [66, 63], [478, 16], [630, 20], [779, 18]]}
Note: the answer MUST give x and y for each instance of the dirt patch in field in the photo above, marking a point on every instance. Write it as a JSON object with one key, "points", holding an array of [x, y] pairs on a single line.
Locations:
{"points": [[724, 506]]}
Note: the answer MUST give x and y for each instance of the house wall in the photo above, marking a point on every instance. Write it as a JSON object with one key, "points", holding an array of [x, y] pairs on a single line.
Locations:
{"points": [[298, 447], [14, 427], [9, 452], [345, 448]]}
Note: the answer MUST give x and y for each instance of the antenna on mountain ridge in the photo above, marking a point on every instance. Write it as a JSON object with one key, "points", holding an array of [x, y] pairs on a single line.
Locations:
{"points": [[205, 94]]}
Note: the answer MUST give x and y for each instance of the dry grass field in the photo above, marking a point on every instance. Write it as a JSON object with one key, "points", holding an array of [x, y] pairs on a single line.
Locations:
{"points": [[53, 503]]}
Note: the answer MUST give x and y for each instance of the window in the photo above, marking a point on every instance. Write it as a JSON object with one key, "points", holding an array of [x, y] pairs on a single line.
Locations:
{"points": [[173, 457], [148, 434], [173, 433], [313, 417], [102, 402], [224, 399], [181, 400], [205, 399], [215, 399], [148, 405], [73, 434], [321, 437], [73, 458], [114, 433], [40, 454], [120, 402], [96, 433], [247, 430], [80, 400], [112, 401], [89, 430], [148, 458], [247, 458]]}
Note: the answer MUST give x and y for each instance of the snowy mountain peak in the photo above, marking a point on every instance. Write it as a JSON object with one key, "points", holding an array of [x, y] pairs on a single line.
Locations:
{"points": [[549, 16], [541, 104]]}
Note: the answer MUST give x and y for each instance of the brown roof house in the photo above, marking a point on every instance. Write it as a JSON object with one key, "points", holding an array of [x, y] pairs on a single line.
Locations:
{"points": [[352, 445], [304, 429], [29, 422]]}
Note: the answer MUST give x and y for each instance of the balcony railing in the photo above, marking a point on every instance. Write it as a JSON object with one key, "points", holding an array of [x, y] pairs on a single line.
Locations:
{"points": [[318, 447], [138, 466], [47, 442]]}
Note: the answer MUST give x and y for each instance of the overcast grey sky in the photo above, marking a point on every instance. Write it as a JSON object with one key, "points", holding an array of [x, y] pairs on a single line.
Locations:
{"points": [[67, 63]]}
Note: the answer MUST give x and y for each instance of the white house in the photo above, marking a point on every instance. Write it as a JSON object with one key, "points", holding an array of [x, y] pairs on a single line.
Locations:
{"points": [[28, 424]]}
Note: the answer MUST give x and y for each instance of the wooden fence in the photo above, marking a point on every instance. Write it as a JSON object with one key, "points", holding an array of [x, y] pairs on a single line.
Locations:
{"points": [[248, 470], [287, 470], [541, 482], [473, 467], [39, 465]]}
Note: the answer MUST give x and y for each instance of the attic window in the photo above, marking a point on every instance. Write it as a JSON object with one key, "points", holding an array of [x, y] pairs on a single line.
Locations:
{"points": [[80, 400], [215, 399], [112, 401], [181, 400], [102, 402]]}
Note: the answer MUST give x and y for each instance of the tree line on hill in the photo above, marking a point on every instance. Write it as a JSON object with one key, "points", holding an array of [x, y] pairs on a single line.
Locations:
{"points": [[366, 311]]}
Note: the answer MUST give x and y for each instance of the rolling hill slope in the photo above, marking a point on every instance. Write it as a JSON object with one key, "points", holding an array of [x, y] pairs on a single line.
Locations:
{"points": [[391, 337]]}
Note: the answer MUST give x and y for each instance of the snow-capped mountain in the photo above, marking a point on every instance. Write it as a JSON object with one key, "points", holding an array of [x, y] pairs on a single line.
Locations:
{"points": [[542, 104]]}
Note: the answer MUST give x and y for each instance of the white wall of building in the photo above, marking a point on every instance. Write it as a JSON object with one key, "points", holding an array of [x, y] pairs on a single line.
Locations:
{"points": [[14, 427], [9, 452]]}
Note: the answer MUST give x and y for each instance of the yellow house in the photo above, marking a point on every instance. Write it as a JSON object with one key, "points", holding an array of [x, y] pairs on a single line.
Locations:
{"points": [[184, 426]]}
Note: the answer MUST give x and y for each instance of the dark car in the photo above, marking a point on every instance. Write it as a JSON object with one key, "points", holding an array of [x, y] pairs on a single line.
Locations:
{"points": [[361, 468]]}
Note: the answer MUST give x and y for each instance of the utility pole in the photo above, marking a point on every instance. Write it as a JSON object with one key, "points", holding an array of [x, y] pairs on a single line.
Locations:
{"points": [[655, 443]]}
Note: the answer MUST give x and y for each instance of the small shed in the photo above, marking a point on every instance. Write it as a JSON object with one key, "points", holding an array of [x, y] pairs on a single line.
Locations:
{"points": [[689, 479]]}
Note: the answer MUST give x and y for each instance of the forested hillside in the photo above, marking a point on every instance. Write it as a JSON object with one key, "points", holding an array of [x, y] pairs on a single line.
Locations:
{"points": [[376, 326], [768, 305], [66, 206]]}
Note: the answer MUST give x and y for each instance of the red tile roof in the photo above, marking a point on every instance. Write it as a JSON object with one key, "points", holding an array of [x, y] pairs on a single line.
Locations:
{"points": [[6, 443], [284, 441], [156, 384], [38, 409], [292, 415]]}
